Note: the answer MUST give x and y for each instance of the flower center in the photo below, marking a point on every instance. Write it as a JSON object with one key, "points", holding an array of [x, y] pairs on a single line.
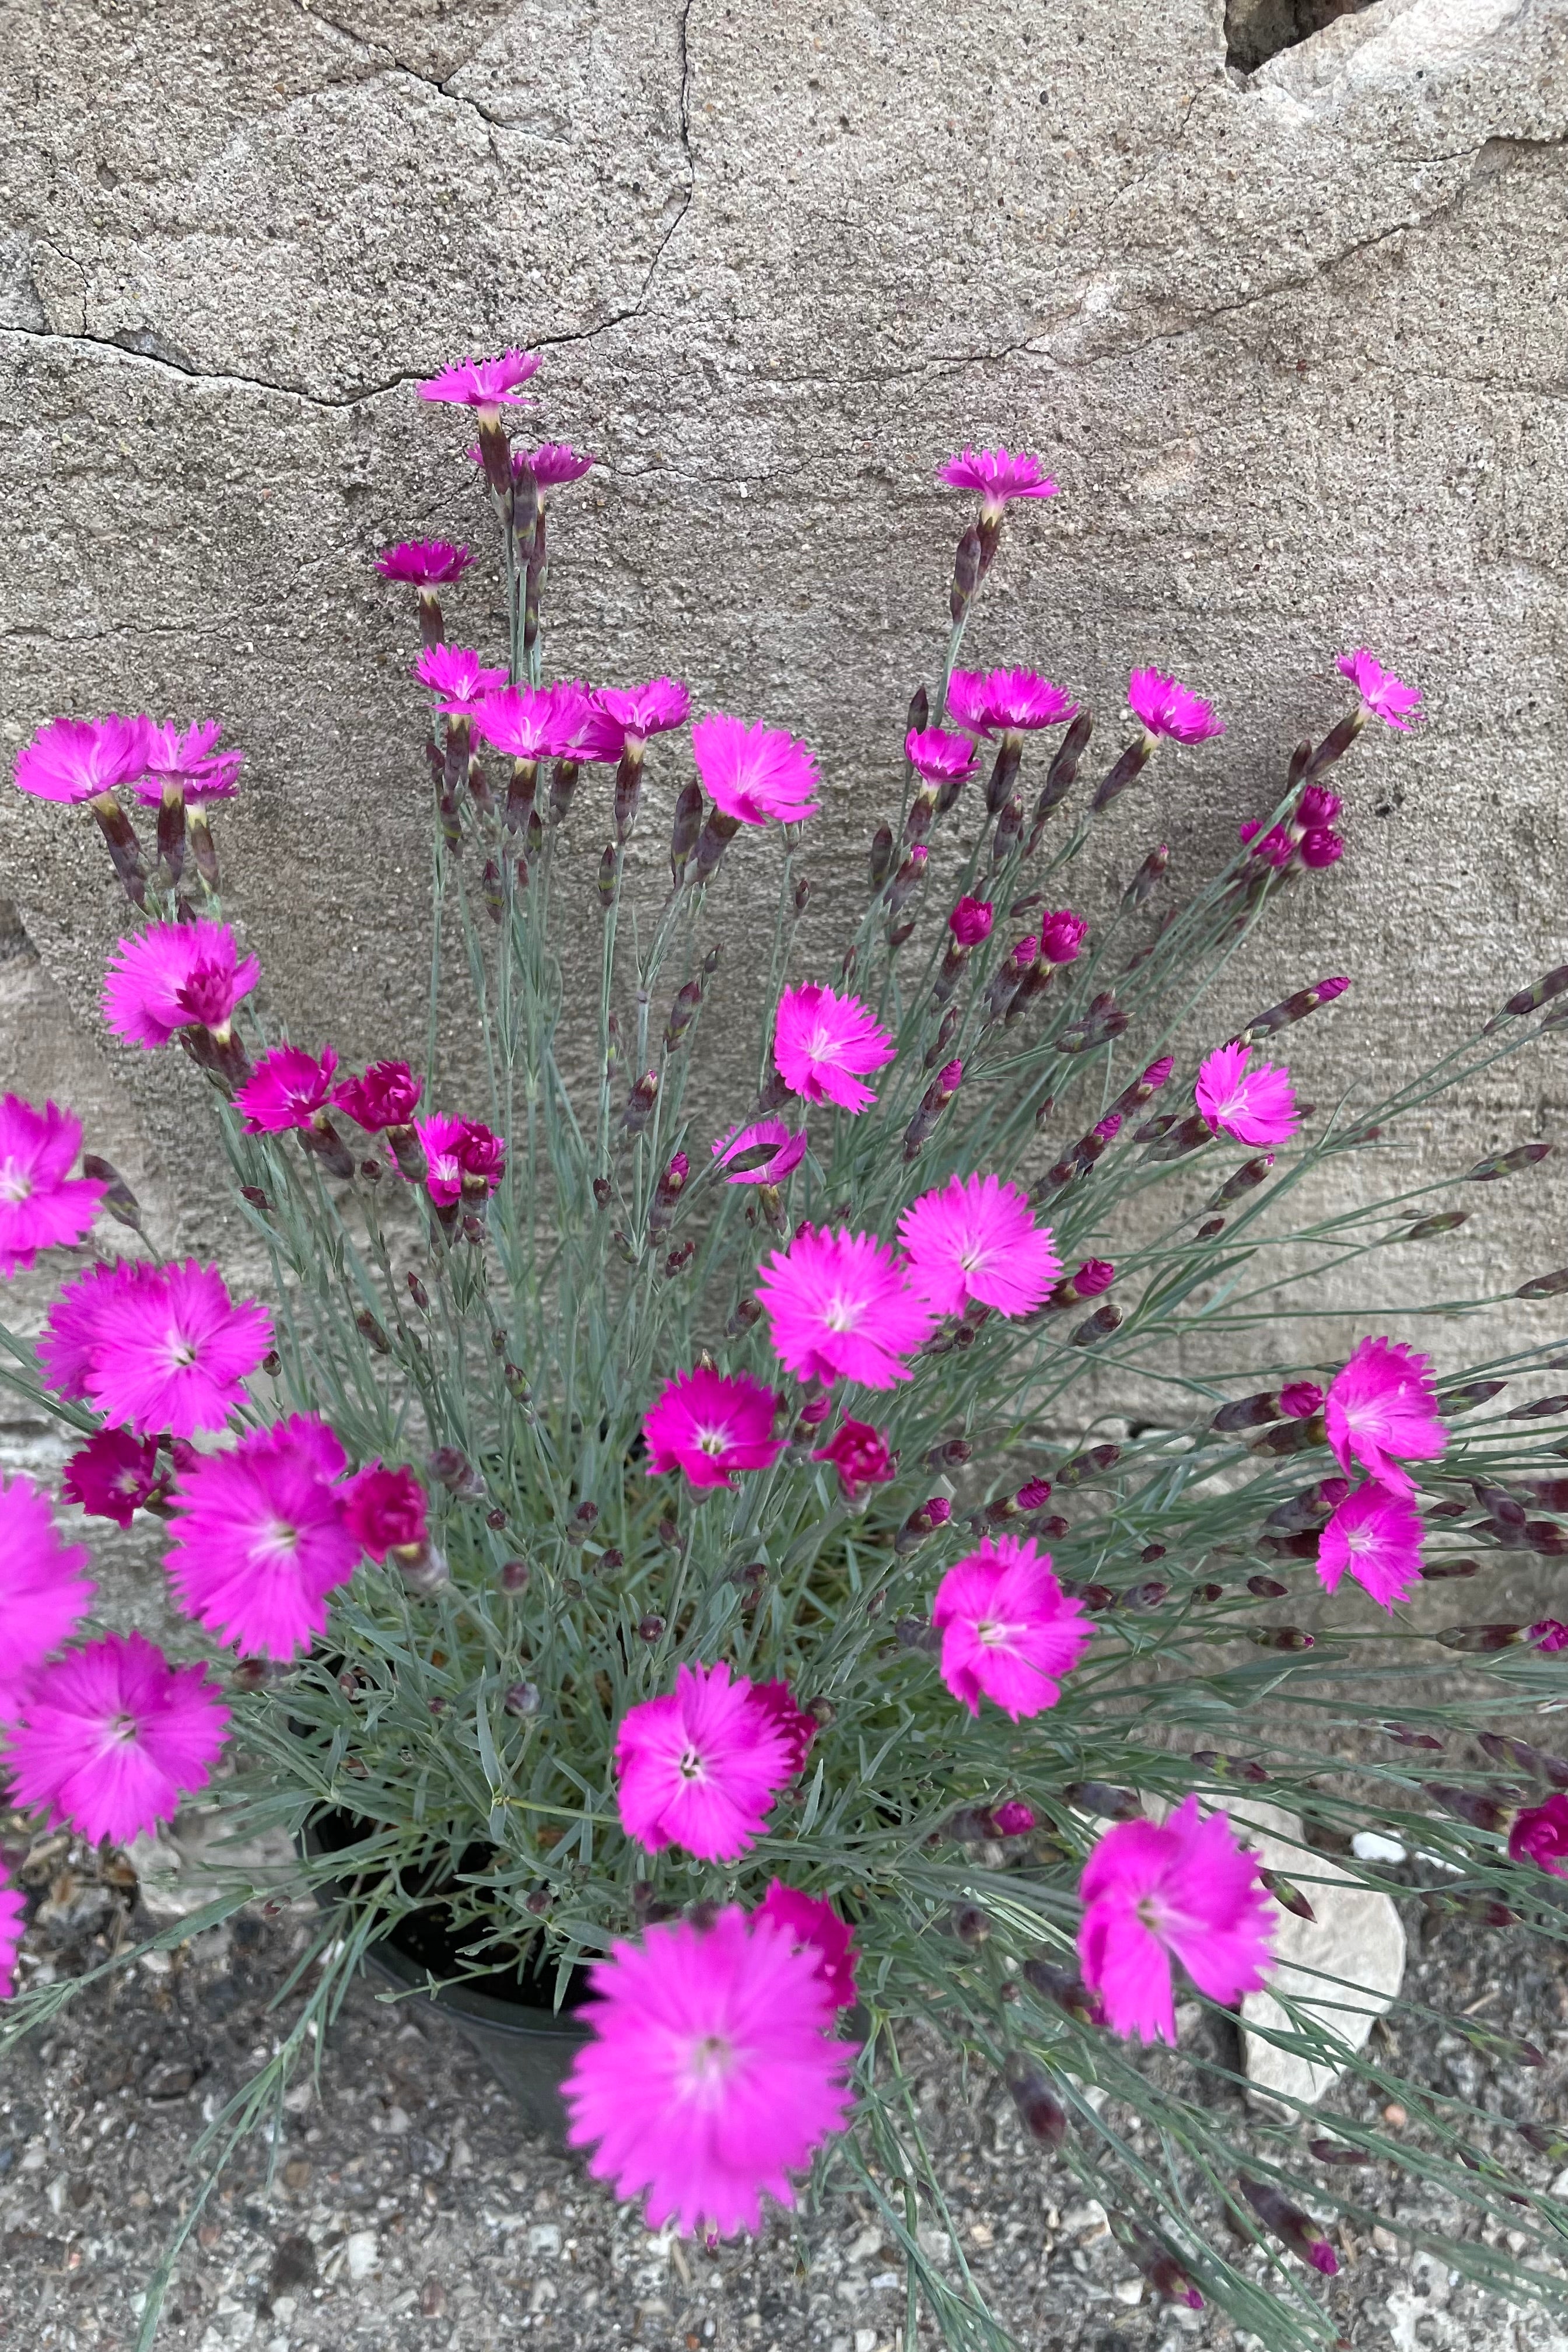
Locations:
{"points": [[15, 1184], [120, 1730], [711, 1441], [183, 1352], [822, 1046], [994, 1633], [710, 2061], [842, 1314], [691, 1767]]}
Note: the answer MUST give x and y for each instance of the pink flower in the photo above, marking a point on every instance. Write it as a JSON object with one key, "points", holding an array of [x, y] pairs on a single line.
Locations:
{"points": [[754, 772], [814, 1926], [1165, 707], [13, 1920], [287, 1089], [424, 562], [792, 1724], [188, 764], [712, 2076], [998, 477], [859, 1455], [1094, 1276], [709, 1425], [553, 463], [1548, 1634], [263, 1538], [636, 712], [459, 1148], [1275, 848], [171, 1350], [778, 1153], [1062, 935], [1014, 1819], [77, 759], [1318, 808], [387, 1096], [1008, 1630], [175, 976], [385, 1510], [1300, 1400], [1182, 1889], [822, 1041], [1320, 849], [1005, 702], [1257, 1106], [700, 1768], [1381, 1411], [1540, 1834], [1377, 1535], [111, 1738], [938, 757], [43, 1592], [839, 1306], [1382, 694], [113, 1475], [42, 1204], [533, 722], [72, 1325], [482, 383], [457, 679], [970, 921], [974, 1238]]}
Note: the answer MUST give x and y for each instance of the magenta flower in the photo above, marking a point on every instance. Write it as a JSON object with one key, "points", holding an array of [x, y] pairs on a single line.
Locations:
{"points": [[1275, 848], [701, 1767], [790, 1723], [637, 713], [424, 562], [1540, 1834], [823, 1041], [839, 1306], [1005, 702], [1548, 1634], [1062, 935], [484, 385], [533, 722], [175, 976], [1182, 1889], [1381, 1411], [859, 1455], [1008, 1630], [43, 1592], [263, 1538], [112, 1737], [712, 2076], [1377, 1535], [1257, 1106], [1014, 1819], [970, 922], [287, 1089], [13, 1921], [1094, 1276], [814, 1926], [974, 1238], [385, 1510], [1318, 808], [187, 763], [113, 1475], [754, 772], [1165, 707], [441, 1139], [42, 1204], [71, 1331], [171, 1350], [710, 1424], [998, 476], [457, 679], [940, 758], [78, 759], [551, 464], [387, 1096], [1322, 849], [767, 1148], [1382, 695], [1300, 1400]]}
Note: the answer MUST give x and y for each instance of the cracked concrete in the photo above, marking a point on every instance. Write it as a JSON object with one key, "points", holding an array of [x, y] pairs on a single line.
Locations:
{"points": [[1295, 346]]}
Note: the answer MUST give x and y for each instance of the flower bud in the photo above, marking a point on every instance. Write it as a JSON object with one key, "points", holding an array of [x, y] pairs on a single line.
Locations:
{"points": [[907, 880], [1507, 1163], [649, 1628], [1248, 1411], [639, 1104], [881, 856], [923, 1521], [1062, 773], [970, 1925], [1099, 1326], [1107, 1804], [1147, 874], [1104, 1020], [684, 829], [1130, 765], [1044, 2117], [967, 571], [1292, 1008], [1281, 1637], [456, 1474], [562, 784], [1009, 827], [1065, 1988], [1293, 2228], [521, 1699]]}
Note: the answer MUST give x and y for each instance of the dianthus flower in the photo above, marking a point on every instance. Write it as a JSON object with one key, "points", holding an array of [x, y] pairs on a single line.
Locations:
{"points": [[711, 2076], [1300, 1400], [974, 1238], [188, 763], [1062, 935], [789, 1722], [970, 921], [385, 1510], [1257, 1106], [42, 1204], [78, 759], [171, 1350], [1540, 1834], [459, 1148], [701, 1767], [43, 1592], [998, 476], [424, 562], [1182, 1889], [1317, 807], [1014, 1819], [484, 385], [754, 772], [387, 1096], [859, 1455], [1275, 848], [1548, 1633], [263, 1538], [1165, 707], [1320, 849], [635, 713], [1005, 702], [13, 1920], [533, 722], [286, 1089], [778, 1153], [112, 1737], [457, 679], [175, 976], [551, 464], [1382, 695], [938, 757], [815, 1928], [839, 1306], [70, 1329], [710, 1424], [1377, 1535], [823, 1042], [1381, 1411], [113, 1475], [1008, 1630]]}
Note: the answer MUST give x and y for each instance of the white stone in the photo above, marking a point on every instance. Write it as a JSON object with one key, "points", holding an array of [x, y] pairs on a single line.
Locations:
{"points": [[544, 2238], [1371, 1845], [362, 2253]]}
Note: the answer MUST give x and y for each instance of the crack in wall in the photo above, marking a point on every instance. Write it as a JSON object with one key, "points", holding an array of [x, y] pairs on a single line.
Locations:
{"points": [[226, 377]]}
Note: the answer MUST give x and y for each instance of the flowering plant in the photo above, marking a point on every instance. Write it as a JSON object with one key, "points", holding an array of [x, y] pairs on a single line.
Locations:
{"points": [[731, 1565]]}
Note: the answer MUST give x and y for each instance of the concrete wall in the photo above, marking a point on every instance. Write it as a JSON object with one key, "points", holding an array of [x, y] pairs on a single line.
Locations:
{"points": [[1294, 345]]}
